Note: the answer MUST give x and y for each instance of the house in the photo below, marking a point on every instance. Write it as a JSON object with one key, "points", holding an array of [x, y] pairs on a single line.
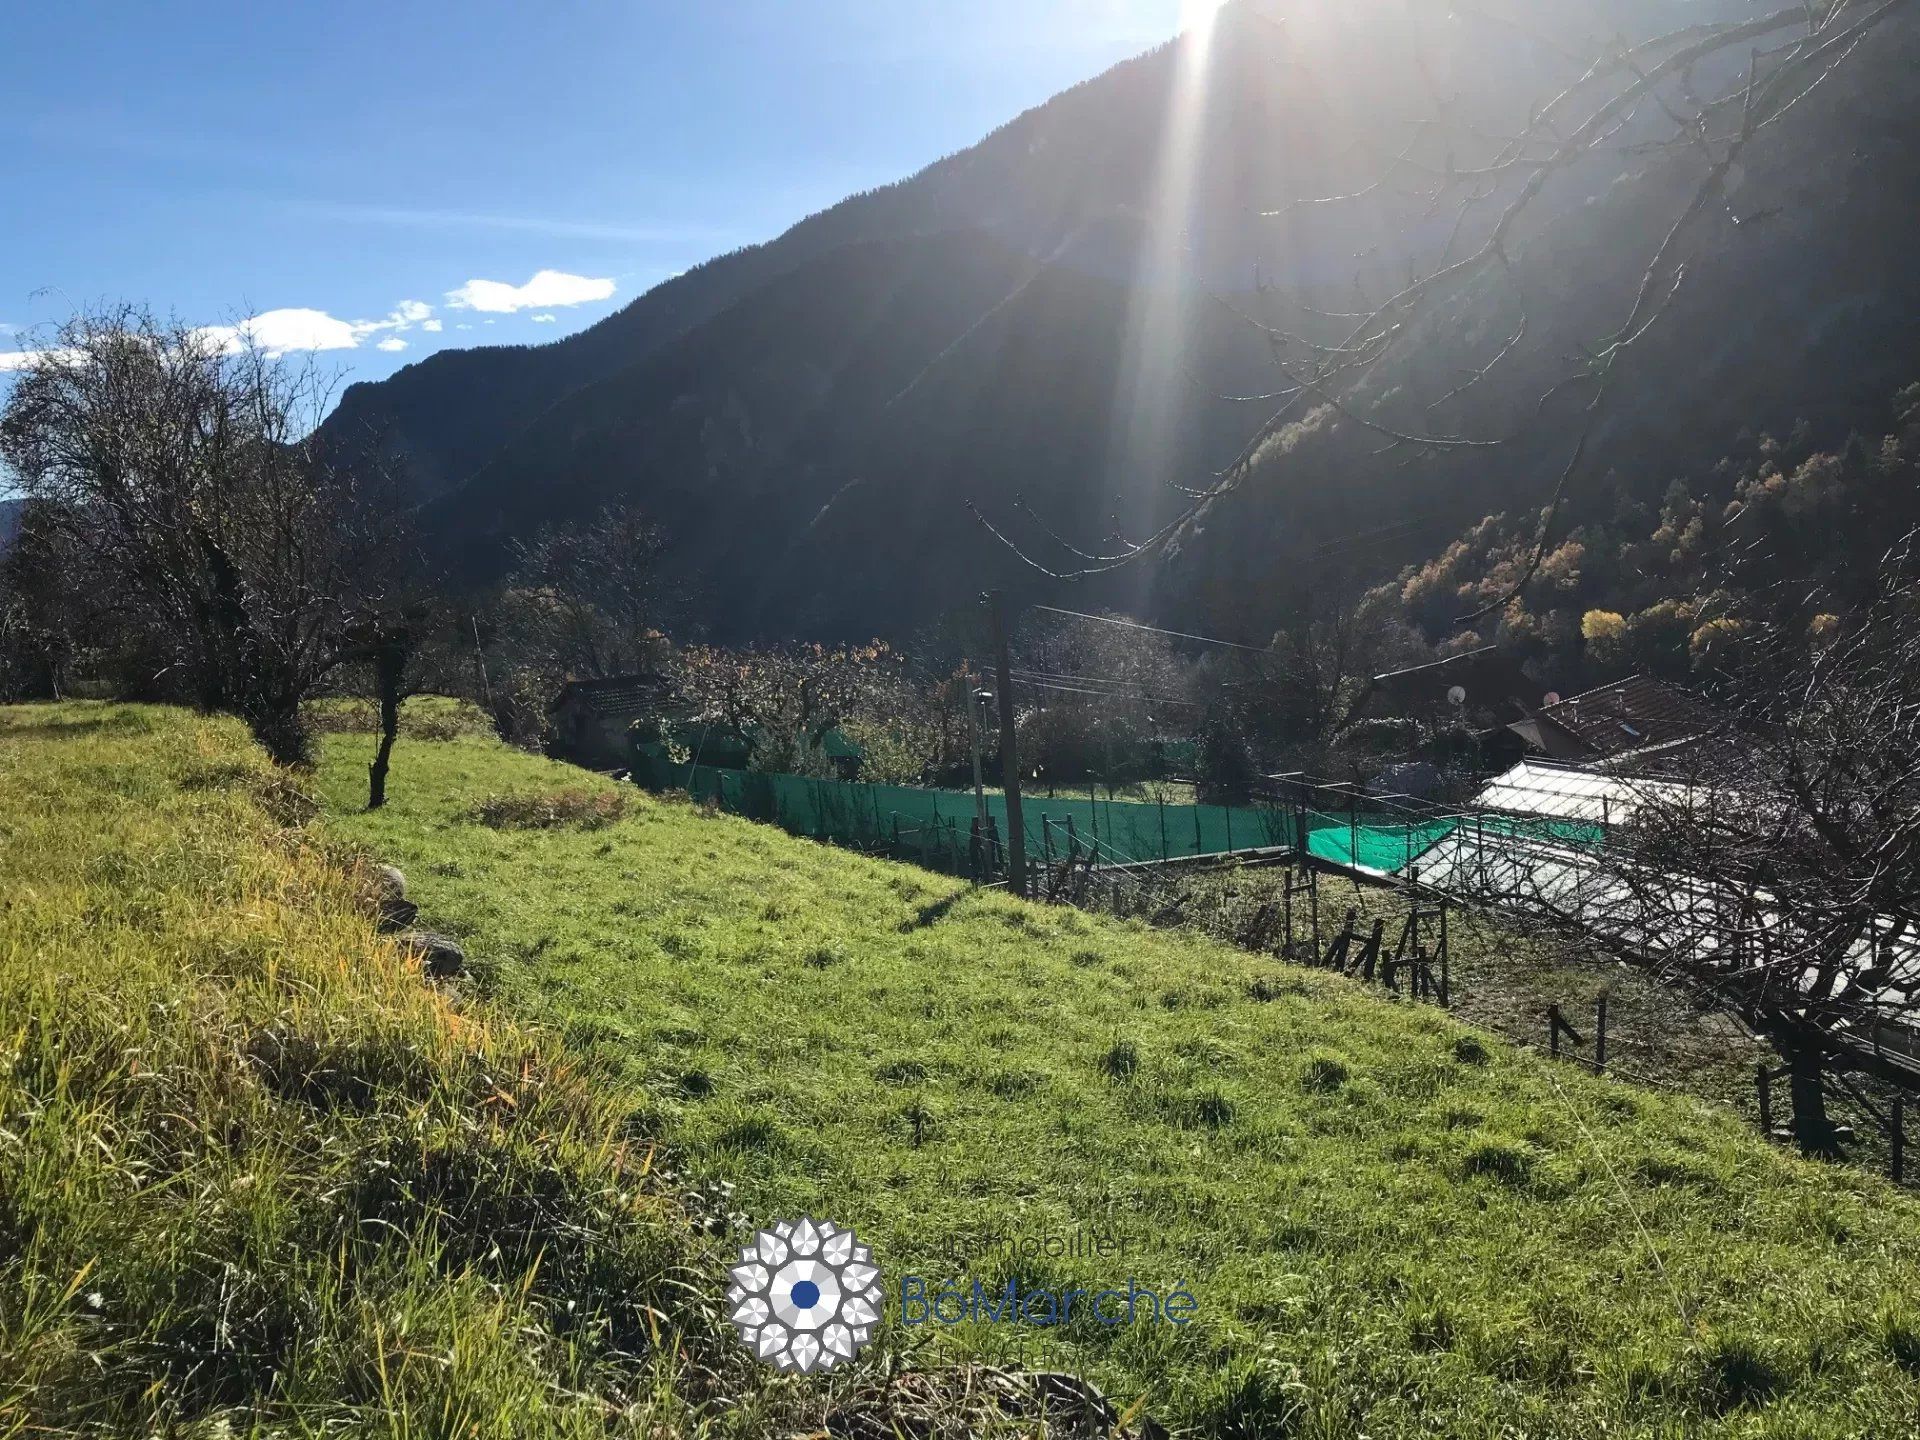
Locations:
{"points": [[1636, 717], [588, 721]]}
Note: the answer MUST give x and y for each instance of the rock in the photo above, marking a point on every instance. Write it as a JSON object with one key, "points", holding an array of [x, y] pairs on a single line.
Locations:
{"points": [[395, 911], [440, 955], [397, 915]]}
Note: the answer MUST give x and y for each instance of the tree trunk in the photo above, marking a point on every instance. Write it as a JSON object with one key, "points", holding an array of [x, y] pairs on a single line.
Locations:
{"points": [[388, 665], [1812, 1130]]}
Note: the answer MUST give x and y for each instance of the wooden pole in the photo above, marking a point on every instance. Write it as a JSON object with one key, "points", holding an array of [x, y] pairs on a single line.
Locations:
{"points": [[1762, 1084], [1313, 900], [1009, 759], [1600, 1035], [1898, 1139], [973, 725]]}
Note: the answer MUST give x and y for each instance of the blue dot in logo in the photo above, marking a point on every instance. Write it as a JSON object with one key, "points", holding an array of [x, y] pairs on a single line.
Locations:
{"points": [[806, 1294]]}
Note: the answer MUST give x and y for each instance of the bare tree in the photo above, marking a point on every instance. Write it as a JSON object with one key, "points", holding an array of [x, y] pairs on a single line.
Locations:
{"points": [[178, 462], [588, 595]]}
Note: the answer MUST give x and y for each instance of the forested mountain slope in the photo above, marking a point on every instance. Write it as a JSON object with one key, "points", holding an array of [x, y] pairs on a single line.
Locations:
{"points": [[1056, 314]]}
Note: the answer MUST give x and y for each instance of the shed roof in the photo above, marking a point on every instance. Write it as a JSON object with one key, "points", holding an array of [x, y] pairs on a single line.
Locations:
{"points": [[615, 695], [1637, 713]]}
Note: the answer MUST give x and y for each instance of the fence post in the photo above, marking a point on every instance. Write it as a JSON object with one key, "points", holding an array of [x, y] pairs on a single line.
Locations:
{"points": [[1897, 1160], [1163, 825], [1353, 823], [1445, 977], [1046, 836], [1413, 950], [1763, 1083], [1600, 1036], [1313, 900], [1553, 1030]]}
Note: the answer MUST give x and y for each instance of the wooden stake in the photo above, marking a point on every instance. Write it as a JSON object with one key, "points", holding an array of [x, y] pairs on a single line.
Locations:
{"points": [[1009, 759]]}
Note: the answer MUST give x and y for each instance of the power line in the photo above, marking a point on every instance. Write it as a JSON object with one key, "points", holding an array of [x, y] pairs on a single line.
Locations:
{"points": [[1100, 694], [1111, 684], [1156, 630]]}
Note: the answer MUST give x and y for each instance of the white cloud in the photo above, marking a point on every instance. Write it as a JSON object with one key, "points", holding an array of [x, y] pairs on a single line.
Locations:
{"points": [[546, 289], [290, 329], [280, 332], [463, 326], [21, 359], [546, 319]]}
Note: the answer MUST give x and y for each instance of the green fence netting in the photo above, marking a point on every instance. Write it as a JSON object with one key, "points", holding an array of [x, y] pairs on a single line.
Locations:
{"points": [[934, 827]]}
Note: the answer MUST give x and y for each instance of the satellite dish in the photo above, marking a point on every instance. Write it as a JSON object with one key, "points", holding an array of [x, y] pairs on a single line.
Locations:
{"points": [[1457, 695], [1553, 698]]}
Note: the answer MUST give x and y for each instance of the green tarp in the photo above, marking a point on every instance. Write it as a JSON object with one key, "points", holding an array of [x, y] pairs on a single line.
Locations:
{"points": [[934, 827]]}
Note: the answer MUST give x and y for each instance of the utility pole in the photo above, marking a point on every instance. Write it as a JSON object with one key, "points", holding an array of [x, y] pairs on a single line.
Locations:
{"points": [[1009, 760], [975, 698]]}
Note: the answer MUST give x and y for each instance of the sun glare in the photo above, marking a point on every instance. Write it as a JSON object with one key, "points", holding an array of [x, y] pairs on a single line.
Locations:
{"points": [[1197, 16]]}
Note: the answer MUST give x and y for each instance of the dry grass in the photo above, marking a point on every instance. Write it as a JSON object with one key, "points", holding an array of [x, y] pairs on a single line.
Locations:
{"points": [[573, 809], [255, 1175]]}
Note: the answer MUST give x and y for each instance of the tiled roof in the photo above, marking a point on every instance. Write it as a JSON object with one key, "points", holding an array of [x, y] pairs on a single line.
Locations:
{"points": [[1631, 714]]}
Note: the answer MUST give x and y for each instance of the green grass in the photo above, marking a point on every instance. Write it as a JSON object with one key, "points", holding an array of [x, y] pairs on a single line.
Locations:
{"points": [[1392, 1225], [1504, 976], [255, 1176]]}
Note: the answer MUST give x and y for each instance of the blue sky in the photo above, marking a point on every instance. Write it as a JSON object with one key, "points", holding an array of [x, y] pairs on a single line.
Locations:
{"points": [[351, 170]]}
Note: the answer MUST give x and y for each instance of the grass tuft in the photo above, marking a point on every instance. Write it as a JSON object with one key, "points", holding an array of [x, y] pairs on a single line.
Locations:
{"points": [[576, 809], [1323, 1073]]}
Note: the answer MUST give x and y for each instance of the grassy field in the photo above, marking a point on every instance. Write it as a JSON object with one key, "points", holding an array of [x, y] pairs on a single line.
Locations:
{"points": [[255, 1176], [1391, 1224]]}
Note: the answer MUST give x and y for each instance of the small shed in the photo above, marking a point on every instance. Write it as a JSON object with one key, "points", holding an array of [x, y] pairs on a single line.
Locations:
{"points": [[587, 722]]}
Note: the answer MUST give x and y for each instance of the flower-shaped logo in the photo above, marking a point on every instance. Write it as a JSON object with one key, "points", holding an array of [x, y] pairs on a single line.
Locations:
{"points": [[805, 1295]]}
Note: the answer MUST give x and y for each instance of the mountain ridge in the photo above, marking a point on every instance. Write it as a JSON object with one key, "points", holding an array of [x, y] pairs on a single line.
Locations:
{"points": [[1062, 328]]}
